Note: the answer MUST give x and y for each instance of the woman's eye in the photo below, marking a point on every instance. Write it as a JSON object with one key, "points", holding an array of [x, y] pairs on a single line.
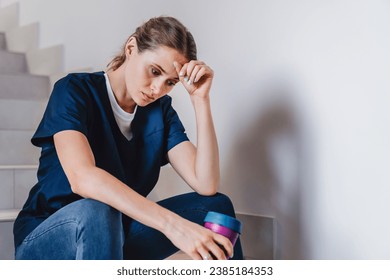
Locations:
{"points": [[155, 72], [171, 84]]}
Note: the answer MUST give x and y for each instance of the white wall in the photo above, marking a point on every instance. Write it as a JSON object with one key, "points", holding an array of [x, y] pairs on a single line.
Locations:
{"points": [[300, 103]]}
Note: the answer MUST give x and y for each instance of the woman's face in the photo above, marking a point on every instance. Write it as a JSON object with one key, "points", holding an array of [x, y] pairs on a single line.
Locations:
{"points": [[151, 74]]}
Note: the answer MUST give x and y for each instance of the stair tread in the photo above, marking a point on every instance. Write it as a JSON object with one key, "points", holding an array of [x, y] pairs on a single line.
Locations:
{"points": [[5, 51], [30, 130], [12, 62], [18, 166], [24, 86], [8, 214], [25, 75]]}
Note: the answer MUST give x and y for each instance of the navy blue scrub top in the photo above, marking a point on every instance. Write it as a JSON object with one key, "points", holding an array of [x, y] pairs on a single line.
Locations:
{"points": [[80, 102]]}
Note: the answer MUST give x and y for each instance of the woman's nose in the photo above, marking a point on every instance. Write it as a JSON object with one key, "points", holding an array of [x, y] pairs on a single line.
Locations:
{"points": [[157, 87]]}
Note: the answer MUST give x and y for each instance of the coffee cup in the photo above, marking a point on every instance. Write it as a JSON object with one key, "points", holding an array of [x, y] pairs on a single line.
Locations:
{"points": [[223, 224]]}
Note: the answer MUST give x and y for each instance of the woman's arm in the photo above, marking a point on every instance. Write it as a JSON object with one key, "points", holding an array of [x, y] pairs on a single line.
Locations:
{"points": [[89, 181], [198, 166]]}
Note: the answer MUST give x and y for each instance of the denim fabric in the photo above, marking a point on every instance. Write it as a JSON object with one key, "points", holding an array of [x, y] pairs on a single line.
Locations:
{"points": [[89, 229]]}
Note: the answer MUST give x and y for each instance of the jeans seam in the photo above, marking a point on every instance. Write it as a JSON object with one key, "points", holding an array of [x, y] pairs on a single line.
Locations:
{"points": [[33, 236]]}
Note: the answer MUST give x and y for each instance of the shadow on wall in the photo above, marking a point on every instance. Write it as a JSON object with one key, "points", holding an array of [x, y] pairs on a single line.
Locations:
{"points": [[264, 172]]}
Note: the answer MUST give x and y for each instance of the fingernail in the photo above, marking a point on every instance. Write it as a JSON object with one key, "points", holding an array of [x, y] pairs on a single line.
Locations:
{"points": [[185, 78], [181, 74], [189, 82]]}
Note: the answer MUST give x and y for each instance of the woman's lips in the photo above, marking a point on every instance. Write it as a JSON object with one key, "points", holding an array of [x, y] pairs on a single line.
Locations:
{"points": [[148, 98]]}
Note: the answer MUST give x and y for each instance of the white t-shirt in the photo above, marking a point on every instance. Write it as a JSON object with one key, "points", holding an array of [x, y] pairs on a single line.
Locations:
{"points": [[123, 118]]}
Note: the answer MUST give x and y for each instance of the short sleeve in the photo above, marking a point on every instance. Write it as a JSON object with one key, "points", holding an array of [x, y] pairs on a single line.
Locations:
{"points": [[66, 110], [174, 129]]}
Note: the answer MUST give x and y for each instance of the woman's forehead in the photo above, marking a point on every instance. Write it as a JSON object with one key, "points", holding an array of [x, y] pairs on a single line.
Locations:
{"points": [[163, 57], [164, 53]]}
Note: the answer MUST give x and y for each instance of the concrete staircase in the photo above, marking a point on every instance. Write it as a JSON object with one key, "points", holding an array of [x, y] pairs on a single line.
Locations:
{"points": [[24, 91], [25, 39], [23, 97]]}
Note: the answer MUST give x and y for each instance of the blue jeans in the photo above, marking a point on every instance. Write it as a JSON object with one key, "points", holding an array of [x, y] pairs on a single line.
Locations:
{"points": [[89, 229]]}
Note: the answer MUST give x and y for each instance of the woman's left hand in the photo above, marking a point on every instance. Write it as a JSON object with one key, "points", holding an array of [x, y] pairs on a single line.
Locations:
{"points": [[196, 77], [196, 241]]}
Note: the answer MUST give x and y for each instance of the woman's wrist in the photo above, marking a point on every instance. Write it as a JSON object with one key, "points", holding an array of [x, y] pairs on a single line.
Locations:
{"points": [[201, 103], [169, 222], [200, 99]]}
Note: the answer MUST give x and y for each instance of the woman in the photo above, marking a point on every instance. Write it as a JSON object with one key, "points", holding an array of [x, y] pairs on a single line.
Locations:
{"points": [[104, 137]]}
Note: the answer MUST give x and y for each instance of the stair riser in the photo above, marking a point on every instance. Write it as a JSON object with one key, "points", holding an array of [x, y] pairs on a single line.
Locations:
{"points": [[9, 17], [23, 38], [45, 61], [7, 197], [16, 148], [26, 87], [3, 45], [6, 241], [15, 186], [12, 63], [28, 116]]}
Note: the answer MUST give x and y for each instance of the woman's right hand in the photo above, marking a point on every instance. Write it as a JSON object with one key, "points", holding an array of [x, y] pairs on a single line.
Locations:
{"points": [[198, 242]]}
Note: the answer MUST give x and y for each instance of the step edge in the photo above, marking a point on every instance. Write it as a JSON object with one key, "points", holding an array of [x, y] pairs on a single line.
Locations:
{"points": [[12, 52], [25, 74], [9, 215], [18, 167]]}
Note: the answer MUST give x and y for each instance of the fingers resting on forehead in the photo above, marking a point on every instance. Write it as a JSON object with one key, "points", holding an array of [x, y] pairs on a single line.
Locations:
{"points": [[191, 71]]}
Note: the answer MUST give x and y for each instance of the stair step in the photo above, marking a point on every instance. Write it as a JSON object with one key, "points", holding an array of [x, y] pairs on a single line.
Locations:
{"points": [[29, 113], [45, 61], [11, 62], [3, 44], [7, 251], [16, 148], [24, 86], [23, 38], [23, 178], [8, 215], [7, 190], [9, 17], [16, 182]]}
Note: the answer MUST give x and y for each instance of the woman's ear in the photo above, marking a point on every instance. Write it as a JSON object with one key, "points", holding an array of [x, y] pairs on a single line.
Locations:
{"points": [[131, 46]]}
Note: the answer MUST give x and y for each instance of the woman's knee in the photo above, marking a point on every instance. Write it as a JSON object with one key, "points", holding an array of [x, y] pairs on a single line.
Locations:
{"points": [[201, 204], [99, 214], [99, 224], [222, 203], [218, 203]]}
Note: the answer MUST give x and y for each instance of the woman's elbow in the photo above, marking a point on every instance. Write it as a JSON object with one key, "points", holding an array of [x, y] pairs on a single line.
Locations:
{"points": [[79, 184], [209, 189], [75, 187], [207, 193]]}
